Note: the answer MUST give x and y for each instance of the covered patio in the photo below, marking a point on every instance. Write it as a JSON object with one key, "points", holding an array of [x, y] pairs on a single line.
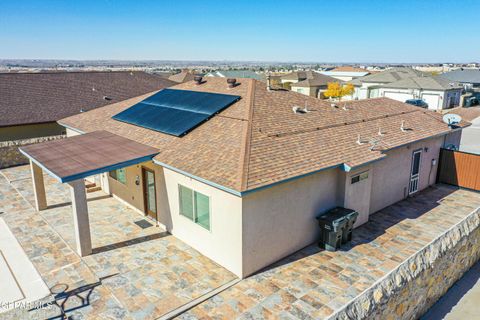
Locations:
{"points": [[135, 271], [73, 159]]}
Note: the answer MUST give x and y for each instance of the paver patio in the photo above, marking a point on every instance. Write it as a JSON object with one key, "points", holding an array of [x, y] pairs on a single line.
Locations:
{"points": [[144, 278], [312, 283], [134, 273]]}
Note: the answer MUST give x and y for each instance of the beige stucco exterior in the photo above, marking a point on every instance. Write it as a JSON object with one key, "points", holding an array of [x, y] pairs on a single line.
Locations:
{"points": [[280, 220], [223, 242], [392, 174], [256, 229]]}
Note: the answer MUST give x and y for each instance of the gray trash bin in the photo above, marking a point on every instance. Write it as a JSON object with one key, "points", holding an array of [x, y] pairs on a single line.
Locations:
{"points": [[332, 225]]}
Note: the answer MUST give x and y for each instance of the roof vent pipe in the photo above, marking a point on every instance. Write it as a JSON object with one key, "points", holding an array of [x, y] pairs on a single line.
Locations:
{"points": [[232, 82], [198, 80], [269, 82]]}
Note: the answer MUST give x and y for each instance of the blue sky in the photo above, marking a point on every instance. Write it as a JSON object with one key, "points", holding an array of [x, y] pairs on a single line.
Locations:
{"points": [[309, 31]]}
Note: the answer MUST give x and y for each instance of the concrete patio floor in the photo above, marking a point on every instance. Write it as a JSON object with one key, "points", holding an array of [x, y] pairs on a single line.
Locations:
{"points": [[134, 273], [313, 284]]}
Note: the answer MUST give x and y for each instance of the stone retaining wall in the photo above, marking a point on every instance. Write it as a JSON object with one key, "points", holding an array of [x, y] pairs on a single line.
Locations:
{"points": [[9, 154], [413, 287]]}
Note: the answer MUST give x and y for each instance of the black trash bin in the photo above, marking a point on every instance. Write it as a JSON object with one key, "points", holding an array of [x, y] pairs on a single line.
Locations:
{"points": [[331, 225], [351, 216]]}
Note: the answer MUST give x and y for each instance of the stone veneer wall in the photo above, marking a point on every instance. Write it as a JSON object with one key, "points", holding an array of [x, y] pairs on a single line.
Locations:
{"points": [[9, 154], [412, 288]]}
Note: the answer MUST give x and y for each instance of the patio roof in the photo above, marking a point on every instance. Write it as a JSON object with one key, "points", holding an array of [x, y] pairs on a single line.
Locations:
{"points": [[86, 155]]}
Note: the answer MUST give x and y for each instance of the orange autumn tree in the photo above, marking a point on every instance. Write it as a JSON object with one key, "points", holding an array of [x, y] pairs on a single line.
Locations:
{"points": [[336, 91]]}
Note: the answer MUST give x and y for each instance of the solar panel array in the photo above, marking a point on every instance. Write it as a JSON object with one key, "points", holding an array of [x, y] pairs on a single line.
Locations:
{"points": [[176, 112]]}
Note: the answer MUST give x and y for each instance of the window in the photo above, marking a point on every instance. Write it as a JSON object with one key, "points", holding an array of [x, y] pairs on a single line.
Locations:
{"points": [[119, 175], [194, 206], [359, 177]]}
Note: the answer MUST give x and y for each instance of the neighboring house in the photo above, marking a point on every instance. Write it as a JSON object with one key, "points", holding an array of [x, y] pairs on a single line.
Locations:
{"points": [[245, 186], [437, 92], [31, 103], [405, 83], [309, 83], [313, 87], [183, 76], [470, 78], [367, 87], [346, 73], [248, 74]]}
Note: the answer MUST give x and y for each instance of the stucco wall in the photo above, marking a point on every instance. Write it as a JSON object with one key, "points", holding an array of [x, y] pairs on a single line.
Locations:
{"points": [[357, 195], [130, 191], [30, 131], [223, 242], [391, 175], [280, 220]]}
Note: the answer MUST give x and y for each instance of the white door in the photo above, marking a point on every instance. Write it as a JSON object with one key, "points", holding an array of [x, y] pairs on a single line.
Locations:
{"points": [[415, 172], [432, 100], [399, 96]]}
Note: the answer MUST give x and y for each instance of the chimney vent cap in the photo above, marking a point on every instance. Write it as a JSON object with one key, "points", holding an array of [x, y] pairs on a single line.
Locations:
{"points": [[231, 82], [198, 79]]}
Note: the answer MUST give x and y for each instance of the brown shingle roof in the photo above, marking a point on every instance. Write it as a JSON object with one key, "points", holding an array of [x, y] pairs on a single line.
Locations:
{"points": [[259, 140], [349, 69], [180, 77], [319, 80], [27, 98]]}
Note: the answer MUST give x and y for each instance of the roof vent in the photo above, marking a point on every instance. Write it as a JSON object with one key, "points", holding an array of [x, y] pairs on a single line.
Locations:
{"points": [[374, 143], [297, 109], [360, 141], [402, 126], [198, 80], [269, 82], [232, 82], [107, 98]]}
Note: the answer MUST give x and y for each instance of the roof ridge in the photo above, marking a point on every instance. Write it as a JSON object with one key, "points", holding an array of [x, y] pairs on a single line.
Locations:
{"points": [[247, 135], [340, 124]]}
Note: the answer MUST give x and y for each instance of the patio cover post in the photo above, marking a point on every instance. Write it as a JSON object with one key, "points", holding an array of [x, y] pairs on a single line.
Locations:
{"points": [[80, 217], [38, 186]]}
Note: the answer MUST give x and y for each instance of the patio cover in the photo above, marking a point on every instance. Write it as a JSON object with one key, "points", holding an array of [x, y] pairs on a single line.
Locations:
{"points": [[86, 155]]}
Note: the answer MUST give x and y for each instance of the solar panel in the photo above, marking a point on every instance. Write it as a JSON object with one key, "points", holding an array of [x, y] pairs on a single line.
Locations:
{"points": [[175, 112]]}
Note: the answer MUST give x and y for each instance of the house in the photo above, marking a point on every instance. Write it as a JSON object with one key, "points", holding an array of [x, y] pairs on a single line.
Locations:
{"points": [[367, 87], [249, 74], [437, 92], [309, 83], [236, 171], [469, 78], [346, 73], [31, 103], [405, 83], [182, 76]]}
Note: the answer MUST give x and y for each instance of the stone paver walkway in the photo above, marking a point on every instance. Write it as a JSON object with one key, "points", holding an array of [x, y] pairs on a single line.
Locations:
{"points": [[134, 273], [313, 283]]}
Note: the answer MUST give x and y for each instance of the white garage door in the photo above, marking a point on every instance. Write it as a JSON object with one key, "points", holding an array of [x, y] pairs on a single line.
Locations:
{"points": [[432, 100], [399, 96]]}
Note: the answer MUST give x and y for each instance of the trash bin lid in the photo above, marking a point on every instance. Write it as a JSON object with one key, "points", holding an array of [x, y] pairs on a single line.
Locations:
{"points": [[335, 216]]}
